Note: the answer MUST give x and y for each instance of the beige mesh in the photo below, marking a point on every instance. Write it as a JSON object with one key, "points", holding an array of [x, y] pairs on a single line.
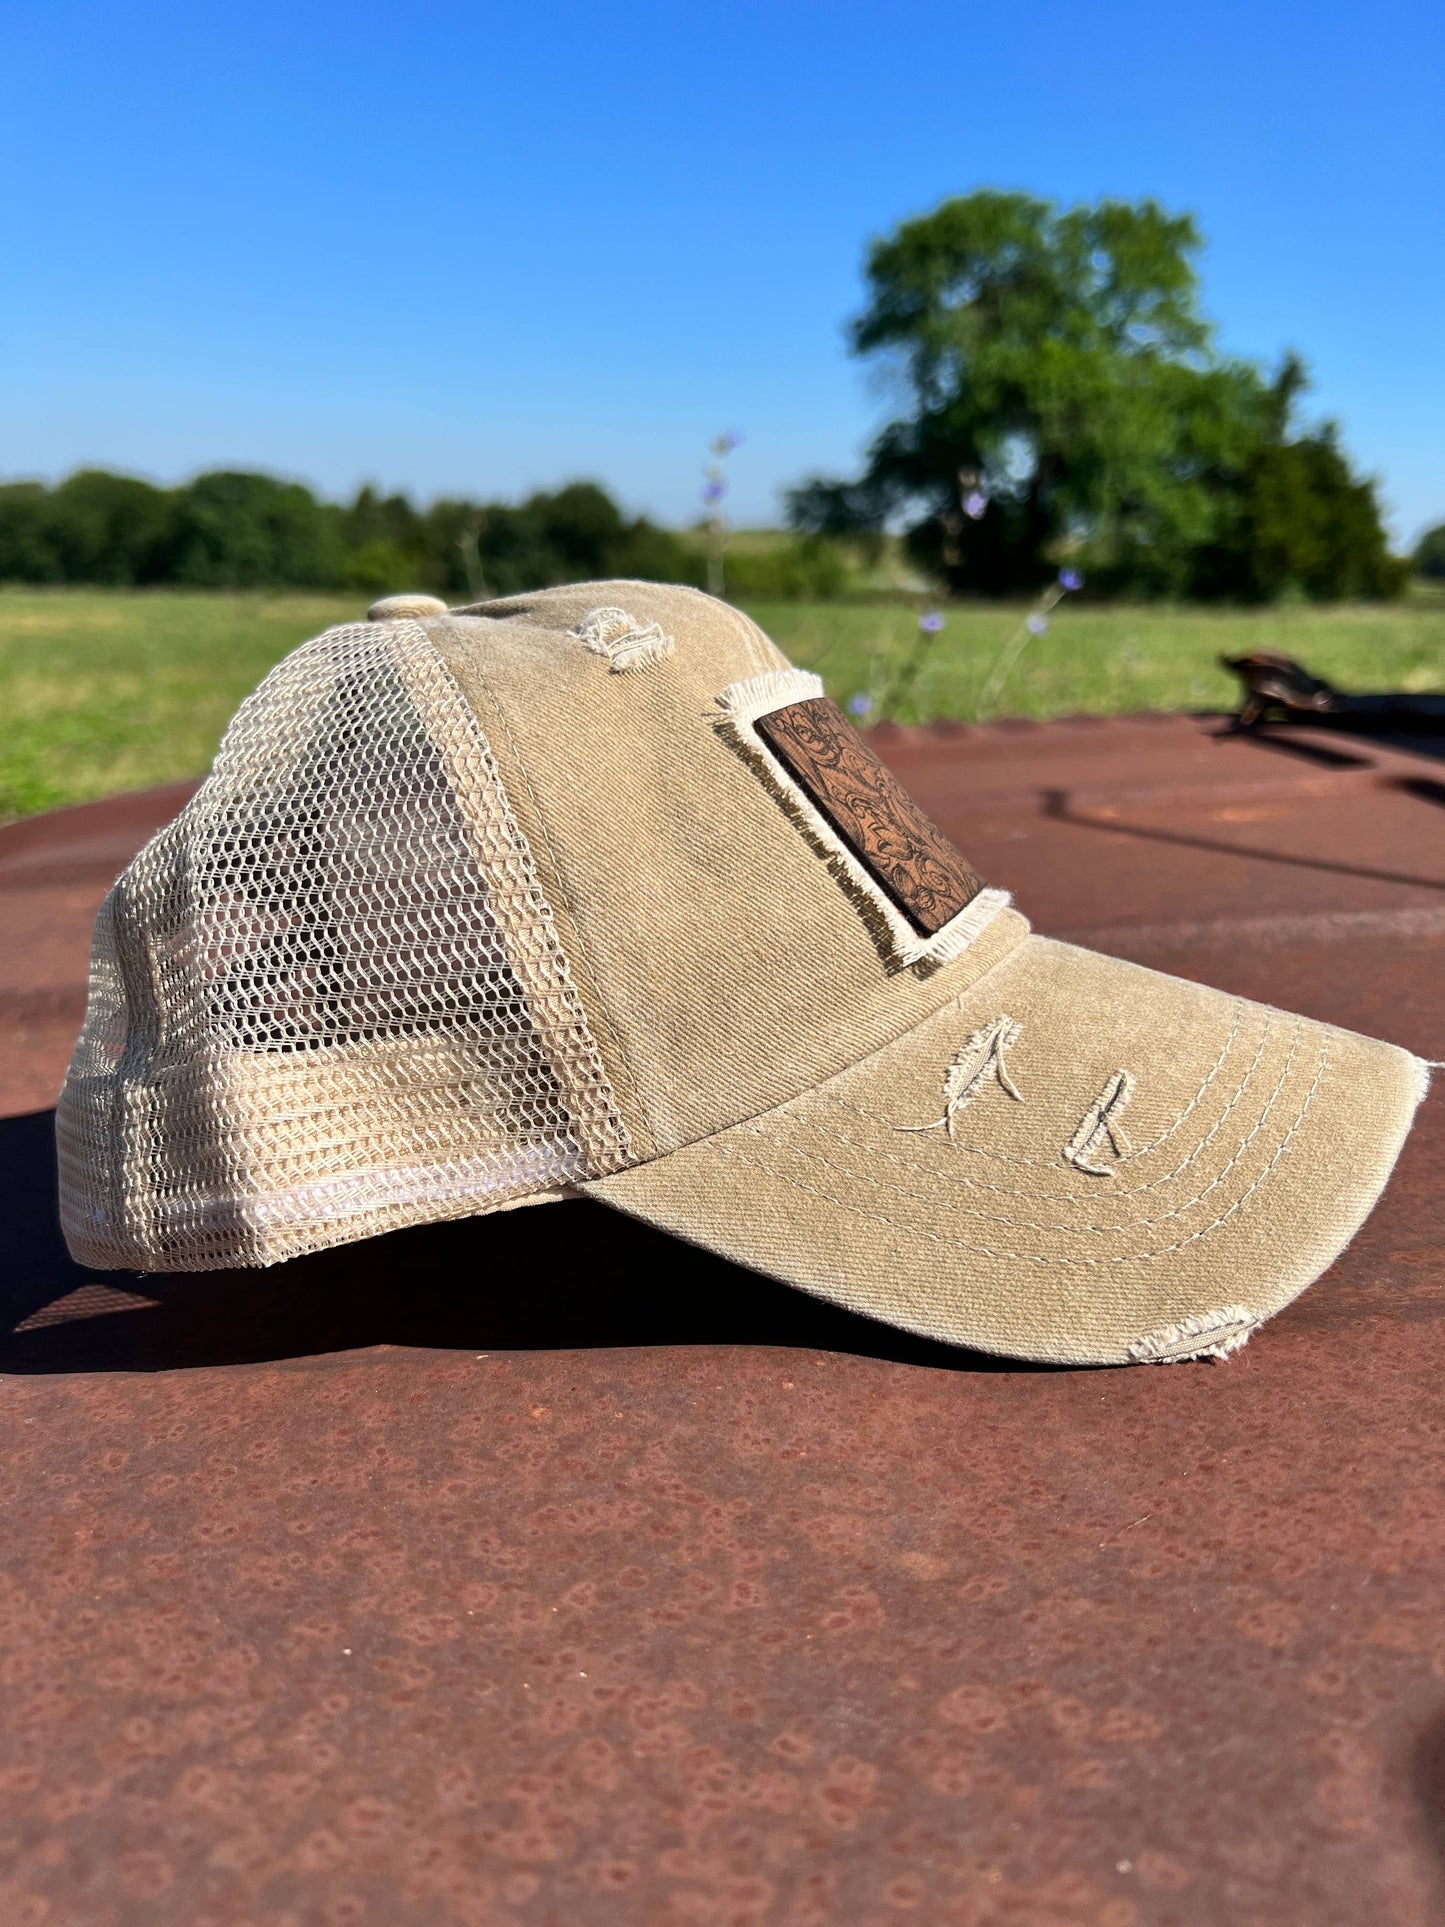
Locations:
{"points": [[328, 1000]]}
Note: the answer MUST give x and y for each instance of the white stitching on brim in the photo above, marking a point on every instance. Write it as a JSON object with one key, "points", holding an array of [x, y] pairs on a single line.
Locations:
{"points": [[915, 1232]]}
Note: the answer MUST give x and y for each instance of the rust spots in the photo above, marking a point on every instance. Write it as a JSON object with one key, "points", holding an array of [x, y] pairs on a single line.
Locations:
{"points": [[926, 1566], [979, 1708], [1144, 1646]]}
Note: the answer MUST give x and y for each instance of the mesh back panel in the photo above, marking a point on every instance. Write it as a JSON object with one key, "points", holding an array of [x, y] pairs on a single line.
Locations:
{"points": [[328, 999]]}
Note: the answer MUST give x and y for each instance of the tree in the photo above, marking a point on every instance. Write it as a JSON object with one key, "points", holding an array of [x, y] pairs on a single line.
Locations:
{"points": [[238, 530], [573, 534], [1062, 391], [386, 546], [1313, 526], [28, 549], [111, 528], [1429, 557]]}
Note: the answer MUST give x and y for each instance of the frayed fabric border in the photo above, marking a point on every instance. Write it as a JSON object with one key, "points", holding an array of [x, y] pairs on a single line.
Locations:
{"points": [[969, 1070], [740, 705], [1210, 1334], [628, 643], [1100, 1125]]}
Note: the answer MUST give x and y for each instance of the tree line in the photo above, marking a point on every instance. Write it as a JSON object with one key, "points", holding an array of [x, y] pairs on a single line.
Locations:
{"points": [[1064, 400], [235, 530], [238, 530], [1063, 404]]}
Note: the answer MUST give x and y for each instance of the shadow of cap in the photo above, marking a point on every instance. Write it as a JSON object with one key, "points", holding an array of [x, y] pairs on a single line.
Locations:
{"points": [[552, 1277]]}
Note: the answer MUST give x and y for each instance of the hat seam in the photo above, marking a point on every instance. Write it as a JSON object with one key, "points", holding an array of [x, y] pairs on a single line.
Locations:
{"points": [[590, 1141], [914, 1232], [576, 922]]}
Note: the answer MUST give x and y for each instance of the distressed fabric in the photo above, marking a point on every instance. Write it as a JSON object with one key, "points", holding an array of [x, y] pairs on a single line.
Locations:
{"points": [[1257, 1144], [744, 710], [729, 968], [481, 907], [902, 850]]}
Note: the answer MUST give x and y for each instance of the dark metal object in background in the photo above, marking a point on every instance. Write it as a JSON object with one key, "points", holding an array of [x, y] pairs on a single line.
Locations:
{"points": [[540, 1570], [1279, 689]]}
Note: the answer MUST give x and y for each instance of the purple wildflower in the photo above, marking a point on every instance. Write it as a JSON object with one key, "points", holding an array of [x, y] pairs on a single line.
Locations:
{"points": [[974, 504], [1037, 625], [1070, 579], [930, 622], [714, 491], [860, 706]]}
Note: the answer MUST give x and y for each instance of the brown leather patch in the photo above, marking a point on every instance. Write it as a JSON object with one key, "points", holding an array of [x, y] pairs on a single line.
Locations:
{"points": [[910, 858]]}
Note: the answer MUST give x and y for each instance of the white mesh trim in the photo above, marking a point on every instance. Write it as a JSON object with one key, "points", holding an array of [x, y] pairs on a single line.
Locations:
{"points": [[328, 999]]}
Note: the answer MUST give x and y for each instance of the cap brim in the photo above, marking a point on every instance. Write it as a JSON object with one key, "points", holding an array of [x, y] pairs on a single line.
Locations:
{"points": [[992, 1179]]}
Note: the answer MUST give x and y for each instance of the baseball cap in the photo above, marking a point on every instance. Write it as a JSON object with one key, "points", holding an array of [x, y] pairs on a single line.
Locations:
{"points": [[590, 891]]}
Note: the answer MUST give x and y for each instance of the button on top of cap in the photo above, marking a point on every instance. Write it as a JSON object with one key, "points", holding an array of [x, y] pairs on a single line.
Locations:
{"points": [[394, 608]]}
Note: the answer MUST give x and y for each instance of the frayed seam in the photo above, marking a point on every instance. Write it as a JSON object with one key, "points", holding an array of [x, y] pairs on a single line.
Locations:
{"points": [[969, 1071], [1209, 1334], [958, 933], [628, 643], [1099, 1125], [741, 705]]}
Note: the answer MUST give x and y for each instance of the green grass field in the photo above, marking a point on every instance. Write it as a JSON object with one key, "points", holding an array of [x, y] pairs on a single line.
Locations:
{"points": [[110, 690]]}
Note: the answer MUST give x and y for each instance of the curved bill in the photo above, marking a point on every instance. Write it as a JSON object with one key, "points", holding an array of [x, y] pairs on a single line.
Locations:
{"points": [[1078, 1160]]}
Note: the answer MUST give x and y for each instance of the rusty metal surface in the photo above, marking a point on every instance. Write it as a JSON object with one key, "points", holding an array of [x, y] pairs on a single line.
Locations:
{"points": [[427, 1581], [54, 870]]}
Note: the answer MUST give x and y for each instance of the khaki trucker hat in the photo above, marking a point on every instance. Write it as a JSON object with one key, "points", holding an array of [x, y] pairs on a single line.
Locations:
{"points": [[592, 891]]}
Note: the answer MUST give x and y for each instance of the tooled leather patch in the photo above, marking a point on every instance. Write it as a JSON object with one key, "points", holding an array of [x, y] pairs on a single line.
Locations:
{"points": [[909, 858]]}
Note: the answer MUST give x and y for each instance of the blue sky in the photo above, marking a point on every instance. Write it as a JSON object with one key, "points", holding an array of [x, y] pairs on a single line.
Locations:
{"points": [[482, 248]]}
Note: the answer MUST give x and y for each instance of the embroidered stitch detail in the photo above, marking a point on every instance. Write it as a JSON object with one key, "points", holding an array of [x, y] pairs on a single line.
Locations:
{"points": [[1101, 1125], [937, 1179], [627, 643], [849, 1201], [1209, 1334], [970, 1069], [740, 706]]}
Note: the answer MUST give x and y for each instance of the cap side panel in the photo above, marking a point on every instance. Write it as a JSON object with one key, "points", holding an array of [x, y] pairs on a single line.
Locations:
{"points": [[556, 885], [527, 925], [723, 962], [327, 999]]}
